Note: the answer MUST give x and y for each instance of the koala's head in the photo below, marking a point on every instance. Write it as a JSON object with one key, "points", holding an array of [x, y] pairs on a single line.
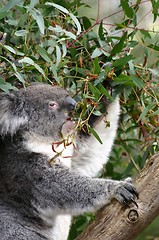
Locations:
{"points": [[40, 108]]}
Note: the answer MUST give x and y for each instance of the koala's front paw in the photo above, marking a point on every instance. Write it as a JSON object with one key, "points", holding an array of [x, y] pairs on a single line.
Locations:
{"points": [[125, 192]]}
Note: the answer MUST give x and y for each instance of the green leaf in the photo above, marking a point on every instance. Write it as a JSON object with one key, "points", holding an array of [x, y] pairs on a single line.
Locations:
{"points": [[105, 92], [58, 55], [54, 71], [100, 78], [127, 91], [59, 7], [127, 9], [43, 54], [6, 86], [94, 91], [137, 81], [96, 66], [132, 44], [95, 134], [145, 33], [119, 63], [36, 14], [135, 20], [96, 53], [26, 60], [70, 34], [40, 70], [119, 46], [31, 62], [64, 50], [155, 6], [12, 22], [64, 10], [76, 22], [11, 63], [32, 4], [86, 23], [97, 113], [9, 48], [20, 77], [100, 31], [3, 14], [145, 111], [123, 80], [154, 47], [59, 29], [21, 33], [9, 5], [12, 50], [154, 113]]}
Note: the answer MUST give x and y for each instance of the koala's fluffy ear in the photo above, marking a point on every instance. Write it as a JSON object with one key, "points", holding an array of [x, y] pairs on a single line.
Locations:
{"points": [[10, 117]]}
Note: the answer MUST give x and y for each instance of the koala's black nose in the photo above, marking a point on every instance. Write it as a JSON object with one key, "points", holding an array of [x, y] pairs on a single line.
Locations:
{"points": [[70, 103]]}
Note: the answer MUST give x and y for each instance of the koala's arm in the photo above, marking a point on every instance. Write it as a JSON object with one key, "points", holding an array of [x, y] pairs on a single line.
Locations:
{"points": [[91, 155], [68, 193]]}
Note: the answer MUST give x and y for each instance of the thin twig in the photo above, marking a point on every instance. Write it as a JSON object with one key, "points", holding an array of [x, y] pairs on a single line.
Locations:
{"points": [[98, 22]]}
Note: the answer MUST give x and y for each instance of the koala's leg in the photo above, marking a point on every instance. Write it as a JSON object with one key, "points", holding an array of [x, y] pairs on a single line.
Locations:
{"points": [[67, 193], [91, 154]]}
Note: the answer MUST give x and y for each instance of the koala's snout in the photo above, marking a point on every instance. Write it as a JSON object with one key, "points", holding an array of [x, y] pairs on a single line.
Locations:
{"points": [[70, 103]]}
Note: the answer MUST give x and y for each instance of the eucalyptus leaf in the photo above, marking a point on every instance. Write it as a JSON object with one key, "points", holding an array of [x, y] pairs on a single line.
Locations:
{"points": [[76, 22], [3, 14], [58, 55], [6, 86], [64, 50], [21, 33], [86, 23], [20, 77], [101, 32], [156, 113], [26, 60], [137, 81], [95, 91], [36, 14], [121, 62], [31, 62], [97, 68], [59, 7], [119, 46], [96, 53], [154, 47], [127, 9], [9, 48], [33, 3], [105, 92], [145, 111], [95, 134], [43, 53], [12, 50], [9, 5], [145, 33]]}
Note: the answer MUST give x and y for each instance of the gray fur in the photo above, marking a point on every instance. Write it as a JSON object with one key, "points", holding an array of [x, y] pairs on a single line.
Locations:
{"points": [[34, 192]]}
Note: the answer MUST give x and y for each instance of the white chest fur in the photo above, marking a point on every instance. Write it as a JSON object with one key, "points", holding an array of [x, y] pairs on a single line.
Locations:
{"points": [[59, 152], [61, 228]]}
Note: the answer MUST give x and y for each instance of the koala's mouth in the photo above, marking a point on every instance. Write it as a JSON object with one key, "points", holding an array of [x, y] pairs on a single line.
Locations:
{"points": [[68, 126]]}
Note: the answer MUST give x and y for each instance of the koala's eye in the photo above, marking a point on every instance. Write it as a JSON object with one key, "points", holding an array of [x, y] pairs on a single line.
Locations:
{"points": [[53, 105]]}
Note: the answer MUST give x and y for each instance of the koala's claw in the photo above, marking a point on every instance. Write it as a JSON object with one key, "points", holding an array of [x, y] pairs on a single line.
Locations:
{"points": [[133, 200], [126, 193]]}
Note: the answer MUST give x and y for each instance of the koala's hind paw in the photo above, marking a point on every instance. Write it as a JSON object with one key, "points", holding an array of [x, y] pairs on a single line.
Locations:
{"points": [[126, 193]]}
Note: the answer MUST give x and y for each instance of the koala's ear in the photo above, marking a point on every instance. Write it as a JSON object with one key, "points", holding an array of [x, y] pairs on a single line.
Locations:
{"points": [[10, 118]]}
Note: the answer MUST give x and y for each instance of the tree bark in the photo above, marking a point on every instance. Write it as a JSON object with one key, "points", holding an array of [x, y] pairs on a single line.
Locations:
{"points": [[117, 222]]}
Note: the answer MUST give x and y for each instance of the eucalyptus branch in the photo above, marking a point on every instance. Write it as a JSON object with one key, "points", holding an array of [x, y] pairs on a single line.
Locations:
{"points": [[97, 22]]}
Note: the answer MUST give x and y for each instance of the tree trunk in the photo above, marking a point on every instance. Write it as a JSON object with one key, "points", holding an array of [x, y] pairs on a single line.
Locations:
{"points": [[117, 222]]}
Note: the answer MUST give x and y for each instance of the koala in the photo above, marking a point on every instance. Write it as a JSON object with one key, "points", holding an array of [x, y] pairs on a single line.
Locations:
{"points": [[44, 181]]}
